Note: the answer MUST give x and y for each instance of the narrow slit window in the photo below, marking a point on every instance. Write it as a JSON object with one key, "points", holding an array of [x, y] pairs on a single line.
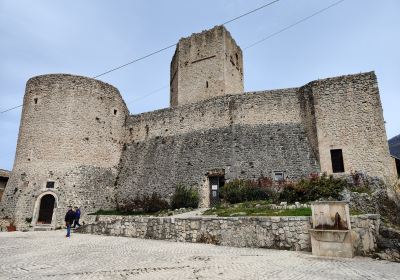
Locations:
{"points": [[115, 111], [50, 185], [337, 161], [35, 100], [206, 84]]}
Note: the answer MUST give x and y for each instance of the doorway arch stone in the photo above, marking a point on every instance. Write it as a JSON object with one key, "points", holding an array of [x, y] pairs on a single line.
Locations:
{"points": [[44, 211]]}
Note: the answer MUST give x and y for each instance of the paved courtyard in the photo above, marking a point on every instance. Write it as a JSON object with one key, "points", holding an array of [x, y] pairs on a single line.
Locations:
{"points": [[49, 255]]}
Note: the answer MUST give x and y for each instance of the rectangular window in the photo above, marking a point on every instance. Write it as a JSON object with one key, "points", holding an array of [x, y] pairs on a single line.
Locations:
{"points": [[279, 175], [337, 161], [50, 185]]}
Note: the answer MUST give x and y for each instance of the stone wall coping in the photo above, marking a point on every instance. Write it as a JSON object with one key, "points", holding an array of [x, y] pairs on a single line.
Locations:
{"points": [[212, 218], [207, 218]]}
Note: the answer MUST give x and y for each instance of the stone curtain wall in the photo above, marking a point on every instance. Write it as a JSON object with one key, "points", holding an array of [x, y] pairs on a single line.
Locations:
{"points": [[292, 130], [160, 163], [290, 233], [248, 136], [264, 107]]}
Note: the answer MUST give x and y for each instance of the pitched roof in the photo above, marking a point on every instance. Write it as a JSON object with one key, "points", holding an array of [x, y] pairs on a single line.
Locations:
{"points": [[5, 173]]}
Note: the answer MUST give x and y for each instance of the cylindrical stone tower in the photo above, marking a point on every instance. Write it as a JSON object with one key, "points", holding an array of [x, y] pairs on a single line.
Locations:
{"points": [[69, 145]]}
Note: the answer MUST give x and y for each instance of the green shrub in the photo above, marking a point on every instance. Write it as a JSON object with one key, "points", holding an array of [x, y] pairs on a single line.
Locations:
{"points": [[154, 203], [239, 190], [233, 191], [314, 188], [185, 197], [146, 204], [291, 193]]}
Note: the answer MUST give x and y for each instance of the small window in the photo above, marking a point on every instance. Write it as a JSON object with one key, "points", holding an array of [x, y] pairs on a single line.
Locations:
{"points": [[337, 161], [206, 84], [35, 100], [50, 185], [115, 111], [279, 175]]}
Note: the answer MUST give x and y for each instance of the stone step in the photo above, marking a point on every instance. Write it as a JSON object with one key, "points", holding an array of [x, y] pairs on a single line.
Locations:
{"points": [[43, 228]]}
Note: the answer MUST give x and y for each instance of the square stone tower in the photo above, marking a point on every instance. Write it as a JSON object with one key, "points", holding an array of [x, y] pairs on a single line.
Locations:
{"points": [[206, 65]]}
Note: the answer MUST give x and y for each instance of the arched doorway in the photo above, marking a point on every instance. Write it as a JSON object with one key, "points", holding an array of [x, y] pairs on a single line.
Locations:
{"points": [[46, 209]]}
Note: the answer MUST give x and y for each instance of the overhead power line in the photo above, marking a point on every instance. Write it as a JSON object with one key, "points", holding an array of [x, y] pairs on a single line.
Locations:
{"points": [[293, 24], [173, 45], [12, 108], [249, 12], [227, 22], [162, 49], [262, 40], [133, 61], [148, 94]]}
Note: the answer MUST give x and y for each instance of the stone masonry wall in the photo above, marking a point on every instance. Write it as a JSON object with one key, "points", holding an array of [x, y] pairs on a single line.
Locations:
{"points": [[61, 140], [243, 151], [307, 113], [348, 116], [290, 233], [265, 107], [290, 127], [206, 65], [248, 136]]}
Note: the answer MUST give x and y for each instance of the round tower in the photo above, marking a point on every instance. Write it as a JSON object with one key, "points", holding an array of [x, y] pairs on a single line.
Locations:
{"points": [[69, 145]]}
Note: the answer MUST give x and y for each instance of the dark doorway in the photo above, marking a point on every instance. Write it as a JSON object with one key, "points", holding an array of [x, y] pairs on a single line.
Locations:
{"points": [[216, 182], [46, 209], [397, 166], [337, 161]]}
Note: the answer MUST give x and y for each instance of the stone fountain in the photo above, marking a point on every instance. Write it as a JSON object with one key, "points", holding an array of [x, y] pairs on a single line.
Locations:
{"points": [[331, 229]]}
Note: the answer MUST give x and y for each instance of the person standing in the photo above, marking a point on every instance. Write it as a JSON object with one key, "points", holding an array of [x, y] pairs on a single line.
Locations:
{"points": [[69, 219], [77, 217]]}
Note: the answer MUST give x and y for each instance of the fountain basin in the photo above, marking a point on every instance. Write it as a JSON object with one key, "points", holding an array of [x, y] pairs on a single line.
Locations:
{"points": [[331, 232]]}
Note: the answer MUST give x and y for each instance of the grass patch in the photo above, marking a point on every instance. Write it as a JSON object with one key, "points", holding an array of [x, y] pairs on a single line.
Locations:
{"points": [[253, 211]]}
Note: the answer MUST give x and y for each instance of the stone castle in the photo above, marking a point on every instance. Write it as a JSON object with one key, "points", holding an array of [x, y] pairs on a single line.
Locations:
{"points": [[79, 145]]}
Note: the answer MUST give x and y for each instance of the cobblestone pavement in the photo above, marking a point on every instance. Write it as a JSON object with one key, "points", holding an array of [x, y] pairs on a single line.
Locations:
{"points": [[49, 255]]}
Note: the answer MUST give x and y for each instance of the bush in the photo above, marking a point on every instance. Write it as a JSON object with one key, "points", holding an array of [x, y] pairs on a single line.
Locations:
{"points": [[291, 193], [239, 190], [233, 191], [314, 188], [147, 204], [185, 197], [154, 203]]}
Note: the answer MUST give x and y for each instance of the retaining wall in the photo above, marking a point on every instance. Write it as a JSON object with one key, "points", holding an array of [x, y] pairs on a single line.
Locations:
{"points": [[290, 233]]}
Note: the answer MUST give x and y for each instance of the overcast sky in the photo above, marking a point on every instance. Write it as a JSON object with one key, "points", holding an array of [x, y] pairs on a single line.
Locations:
{"points": [[90, 37]]}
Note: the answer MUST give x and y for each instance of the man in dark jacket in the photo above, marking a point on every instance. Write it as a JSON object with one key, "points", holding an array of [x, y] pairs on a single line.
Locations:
{"points": [[69, 219], [77, 217]]}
